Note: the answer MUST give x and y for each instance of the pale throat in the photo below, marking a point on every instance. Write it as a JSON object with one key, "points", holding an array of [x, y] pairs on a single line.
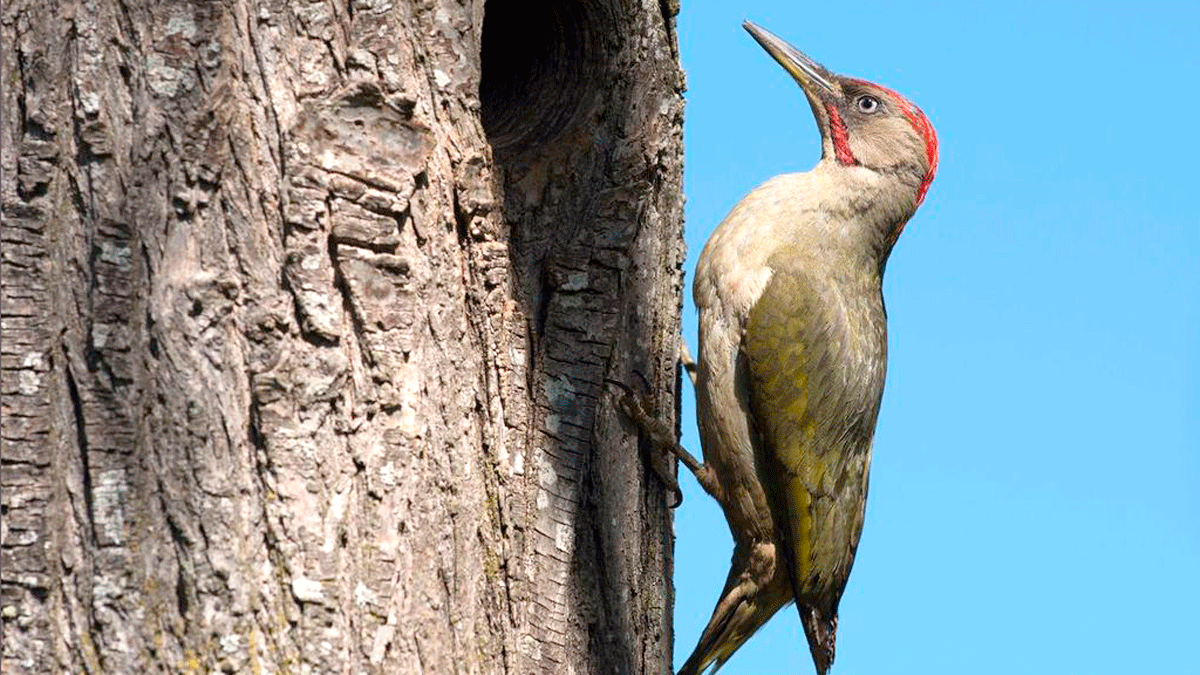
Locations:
{"points": [[868, 212]]}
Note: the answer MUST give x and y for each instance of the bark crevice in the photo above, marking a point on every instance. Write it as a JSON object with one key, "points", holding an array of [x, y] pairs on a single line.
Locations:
{"points": [[304, 338]]}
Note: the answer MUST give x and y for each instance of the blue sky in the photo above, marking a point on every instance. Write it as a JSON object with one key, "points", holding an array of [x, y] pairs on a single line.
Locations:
{"points": [[1035, 496]]}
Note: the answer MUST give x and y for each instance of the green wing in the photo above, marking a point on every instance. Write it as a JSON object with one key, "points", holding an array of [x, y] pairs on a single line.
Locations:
{"points": [[815, 378]]}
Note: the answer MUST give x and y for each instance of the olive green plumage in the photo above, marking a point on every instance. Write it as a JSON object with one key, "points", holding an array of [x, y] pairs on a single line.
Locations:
{"points": [[816, 377], [793, 348]]}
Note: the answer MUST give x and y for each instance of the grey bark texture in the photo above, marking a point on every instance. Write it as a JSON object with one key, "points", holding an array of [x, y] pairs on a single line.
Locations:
{"points": [[306, 335]]}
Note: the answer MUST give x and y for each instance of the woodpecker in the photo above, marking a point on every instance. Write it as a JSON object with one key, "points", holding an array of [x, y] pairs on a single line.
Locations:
{"points": [[793, 347]]}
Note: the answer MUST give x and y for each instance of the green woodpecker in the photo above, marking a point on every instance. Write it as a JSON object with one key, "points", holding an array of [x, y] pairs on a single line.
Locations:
{"points": [[792, 355]]}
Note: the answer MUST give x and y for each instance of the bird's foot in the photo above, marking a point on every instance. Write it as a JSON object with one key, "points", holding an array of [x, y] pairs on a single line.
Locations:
{"points": [[662, 438]]}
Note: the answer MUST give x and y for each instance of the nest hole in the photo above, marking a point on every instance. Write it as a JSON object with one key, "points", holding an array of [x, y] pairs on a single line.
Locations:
{"points": [[536, 59]]}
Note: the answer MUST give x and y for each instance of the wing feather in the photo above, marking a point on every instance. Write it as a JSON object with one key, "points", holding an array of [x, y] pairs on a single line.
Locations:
{"points": [[815, 417]]}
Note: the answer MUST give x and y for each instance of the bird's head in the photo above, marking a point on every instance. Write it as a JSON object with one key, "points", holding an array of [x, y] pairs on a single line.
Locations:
{"points": [[862, 124]]}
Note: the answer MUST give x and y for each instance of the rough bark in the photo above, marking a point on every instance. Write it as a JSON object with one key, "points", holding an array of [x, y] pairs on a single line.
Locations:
{"points": [[305, 335]]}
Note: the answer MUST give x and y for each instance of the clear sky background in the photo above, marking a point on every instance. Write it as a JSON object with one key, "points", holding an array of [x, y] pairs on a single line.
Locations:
{"points": [[1035, 494]]}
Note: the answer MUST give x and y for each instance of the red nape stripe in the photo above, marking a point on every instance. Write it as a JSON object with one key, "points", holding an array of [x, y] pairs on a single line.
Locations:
{"points": [[841, 138], [921, 123]]}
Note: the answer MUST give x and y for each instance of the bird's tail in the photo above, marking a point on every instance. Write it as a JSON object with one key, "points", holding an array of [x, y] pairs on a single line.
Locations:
{"points": [[821, 630], [743, 608]]}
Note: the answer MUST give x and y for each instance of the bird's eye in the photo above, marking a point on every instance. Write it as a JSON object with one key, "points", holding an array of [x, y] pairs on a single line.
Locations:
{"points": [[867, 103]]}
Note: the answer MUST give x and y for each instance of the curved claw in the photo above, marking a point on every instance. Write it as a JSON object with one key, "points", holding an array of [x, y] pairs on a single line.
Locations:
{"points": [[660, 435]]}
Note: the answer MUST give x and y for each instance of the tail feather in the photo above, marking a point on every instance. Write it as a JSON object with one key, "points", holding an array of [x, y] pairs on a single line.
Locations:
{"points": [[743, 608], [821, 632]]}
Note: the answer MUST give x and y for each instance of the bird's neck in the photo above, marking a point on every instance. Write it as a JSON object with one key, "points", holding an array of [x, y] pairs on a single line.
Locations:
{"points": [[868, 209]]}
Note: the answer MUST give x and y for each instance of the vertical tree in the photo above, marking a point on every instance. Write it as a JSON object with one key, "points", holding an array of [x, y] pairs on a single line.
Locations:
{"points": [[308, 309]]}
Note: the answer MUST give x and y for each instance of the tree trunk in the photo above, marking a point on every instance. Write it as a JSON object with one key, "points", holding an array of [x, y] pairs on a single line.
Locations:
{"points": [[308, 312]]}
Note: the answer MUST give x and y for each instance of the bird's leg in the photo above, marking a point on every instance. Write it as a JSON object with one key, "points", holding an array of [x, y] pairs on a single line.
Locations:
{"points": [[635, 408], [662, 437], [704, 475]]}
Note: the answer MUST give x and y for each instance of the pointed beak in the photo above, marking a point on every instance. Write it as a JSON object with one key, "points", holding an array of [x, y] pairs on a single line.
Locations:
{"points": [[816, 81]]}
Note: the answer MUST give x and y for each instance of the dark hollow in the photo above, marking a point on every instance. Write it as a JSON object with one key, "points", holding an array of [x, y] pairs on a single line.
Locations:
{"points": [[535, 60]]}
